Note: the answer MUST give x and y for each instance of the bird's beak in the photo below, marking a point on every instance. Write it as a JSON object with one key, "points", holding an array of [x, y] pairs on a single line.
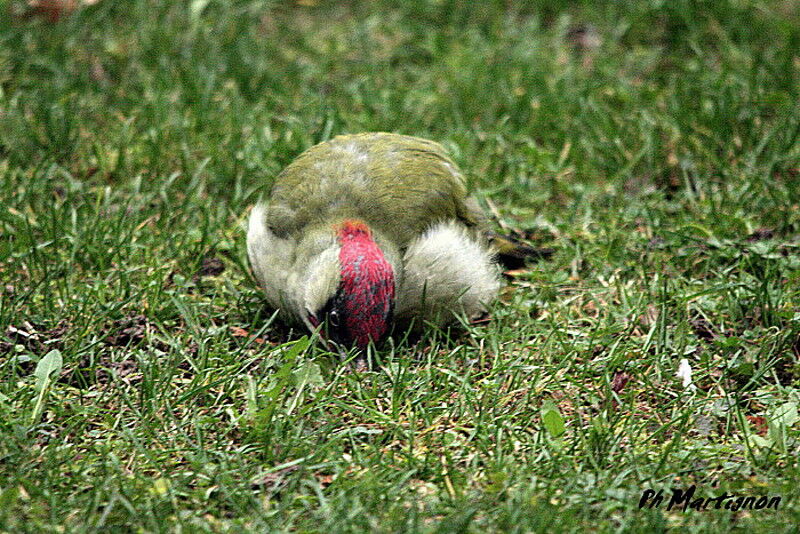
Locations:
{"points": [[360, 361]]}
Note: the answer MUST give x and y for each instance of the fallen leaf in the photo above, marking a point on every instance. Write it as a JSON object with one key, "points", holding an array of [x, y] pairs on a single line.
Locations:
{"points": [[762, 234], [54, 10], [212, 266], [702, 329], [274, 479], [239, 332], [324, 480], [619, 381], [759, 423]]}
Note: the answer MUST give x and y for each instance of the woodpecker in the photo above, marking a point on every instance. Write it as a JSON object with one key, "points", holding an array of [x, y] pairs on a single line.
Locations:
{"points": [[366, 230]]}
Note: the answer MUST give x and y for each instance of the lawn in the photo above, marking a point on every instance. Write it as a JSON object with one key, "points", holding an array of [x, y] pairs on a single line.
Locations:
{"points": [[654, 146]]}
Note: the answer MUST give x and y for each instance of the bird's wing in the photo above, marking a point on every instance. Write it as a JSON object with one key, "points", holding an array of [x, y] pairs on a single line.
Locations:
{"points": [[399, 185], [447, 270]]}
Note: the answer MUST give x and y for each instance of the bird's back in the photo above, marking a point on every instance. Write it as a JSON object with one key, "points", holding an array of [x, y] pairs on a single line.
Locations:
{"points": [[399, 185]]}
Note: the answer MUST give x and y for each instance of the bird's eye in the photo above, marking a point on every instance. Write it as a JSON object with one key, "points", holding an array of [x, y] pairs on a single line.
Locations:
{"points": [[333, 318]]}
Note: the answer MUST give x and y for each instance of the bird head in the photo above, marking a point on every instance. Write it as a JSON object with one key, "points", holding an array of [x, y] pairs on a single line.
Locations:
{"points": [[352, 288]]}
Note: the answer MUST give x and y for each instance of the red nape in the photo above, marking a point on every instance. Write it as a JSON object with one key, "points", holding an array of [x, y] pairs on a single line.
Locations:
{"points": [[367, 283]]}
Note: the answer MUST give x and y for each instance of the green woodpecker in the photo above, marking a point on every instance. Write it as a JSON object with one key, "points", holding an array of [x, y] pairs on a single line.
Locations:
{"points": [[366, 229]]}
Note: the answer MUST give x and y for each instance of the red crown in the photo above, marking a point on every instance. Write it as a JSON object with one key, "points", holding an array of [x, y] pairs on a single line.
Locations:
{"points": [[367, 282]]}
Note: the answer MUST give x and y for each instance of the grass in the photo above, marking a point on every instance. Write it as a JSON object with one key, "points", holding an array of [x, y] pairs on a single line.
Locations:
{"points": [[654, 145]]}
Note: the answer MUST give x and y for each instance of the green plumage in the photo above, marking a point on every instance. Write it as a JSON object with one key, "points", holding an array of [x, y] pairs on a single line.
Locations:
{"points": [[399, 185]]}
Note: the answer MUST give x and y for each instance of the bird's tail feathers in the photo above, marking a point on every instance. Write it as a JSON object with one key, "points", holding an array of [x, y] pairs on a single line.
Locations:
{"points": [[512, 253]]}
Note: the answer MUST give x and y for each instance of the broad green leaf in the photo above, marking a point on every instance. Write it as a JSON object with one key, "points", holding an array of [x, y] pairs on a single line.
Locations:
{"points": [[779, 420], [785, 414], [49, 365], [308, 374], [552, 419]]}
